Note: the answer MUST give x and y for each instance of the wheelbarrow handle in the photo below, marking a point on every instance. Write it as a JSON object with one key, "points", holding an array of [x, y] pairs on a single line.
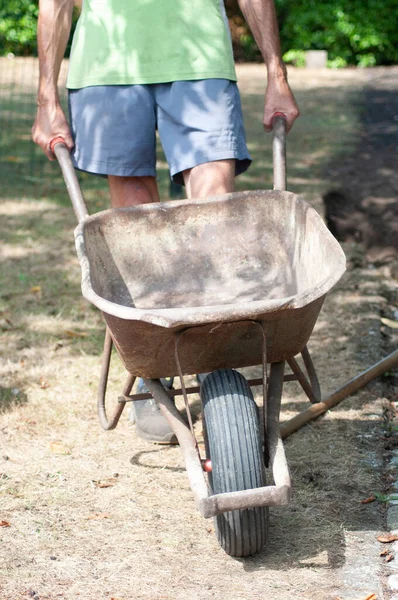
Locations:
{"points": [[59, 148], [279, 151]]}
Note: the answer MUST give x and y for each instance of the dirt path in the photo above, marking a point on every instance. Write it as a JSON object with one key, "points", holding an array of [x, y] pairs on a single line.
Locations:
{"points": [[96, 515]]}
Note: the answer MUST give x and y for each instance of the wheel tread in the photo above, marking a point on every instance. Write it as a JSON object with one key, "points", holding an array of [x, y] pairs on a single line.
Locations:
{"points": [[228, 407]]}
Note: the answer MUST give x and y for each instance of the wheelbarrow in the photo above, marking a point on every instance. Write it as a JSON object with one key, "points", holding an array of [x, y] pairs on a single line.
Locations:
{"points": [[209, 286]]}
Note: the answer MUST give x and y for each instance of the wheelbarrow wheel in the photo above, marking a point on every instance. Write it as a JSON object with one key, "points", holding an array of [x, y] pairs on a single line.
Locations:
{"points": [[234, 447]]}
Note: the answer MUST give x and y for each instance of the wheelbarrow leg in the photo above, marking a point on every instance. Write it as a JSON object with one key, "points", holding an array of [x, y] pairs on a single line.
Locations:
{"points": [[310, 385], [101, 398], [313, 377], [276, 450]]}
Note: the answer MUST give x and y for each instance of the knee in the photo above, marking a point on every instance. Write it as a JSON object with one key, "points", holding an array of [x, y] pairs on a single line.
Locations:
{"points": [[131, 191], [210, 179]]}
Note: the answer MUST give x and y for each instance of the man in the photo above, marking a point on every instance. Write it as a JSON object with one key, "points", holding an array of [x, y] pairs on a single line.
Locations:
{"points": [[141, 65]]}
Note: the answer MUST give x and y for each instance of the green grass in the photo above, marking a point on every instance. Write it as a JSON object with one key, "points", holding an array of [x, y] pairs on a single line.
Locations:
{"points": [[326, 130]]}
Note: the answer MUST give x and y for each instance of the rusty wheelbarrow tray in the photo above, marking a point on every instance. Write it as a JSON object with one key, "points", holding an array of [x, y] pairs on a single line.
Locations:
{"points": [[208, 285]]}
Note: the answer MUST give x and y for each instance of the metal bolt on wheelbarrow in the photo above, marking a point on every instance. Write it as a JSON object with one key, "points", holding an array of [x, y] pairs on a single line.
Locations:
{"points": [[209, 286]]}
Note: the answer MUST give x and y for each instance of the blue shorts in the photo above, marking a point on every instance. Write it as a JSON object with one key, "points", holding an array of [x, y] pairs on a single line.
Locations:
{"points": [[114, 127]]}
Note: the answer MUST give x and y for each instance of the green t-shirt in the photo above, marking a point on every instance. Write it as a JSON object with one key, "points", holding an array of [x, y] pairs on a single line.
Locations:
{"points": [[150, 41]]}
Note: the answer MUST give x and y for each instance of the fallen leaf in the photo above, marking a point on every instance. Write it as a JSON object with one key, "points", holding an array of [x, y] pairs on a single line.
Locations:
{"points": [[59, 448], [389, 323], [98, 516], [44, 383], [384, 552], [13, 159], [36, 289], [5, 524], [389, 558], [5, 322], [387, 538], [368, 500], [72, 333], [105, 483]]}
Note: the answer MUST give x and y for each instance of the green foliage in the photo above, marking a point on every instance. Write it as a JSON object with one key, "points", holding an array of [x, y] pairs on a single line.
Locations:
{"points": [[249, 48], [337, 63], [354, 32], [385, 498], [18, 25], [18, 20], [295, 58]]}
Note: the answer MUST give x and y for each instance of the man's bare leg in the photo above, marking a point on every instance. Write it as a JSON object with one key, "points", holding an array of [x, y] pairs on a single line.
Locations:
{"points": [[210, 179], [131, 191]]}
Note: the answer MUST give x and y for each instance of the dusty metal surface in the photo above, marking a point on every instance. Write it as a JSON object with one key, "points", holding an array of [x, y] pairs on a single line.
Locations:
{"points": [[195, 261]]}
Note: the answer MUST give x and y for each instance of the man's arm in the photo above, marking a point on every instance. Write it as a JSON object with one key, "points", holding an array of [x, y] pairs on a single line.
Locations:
{"points": [[53, 29], [261, 18]]}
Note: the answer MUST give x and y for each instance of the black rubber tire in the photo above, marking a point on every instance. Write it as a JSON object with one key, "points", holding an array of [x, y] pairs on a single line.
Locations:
{"points": [[234, 446]]}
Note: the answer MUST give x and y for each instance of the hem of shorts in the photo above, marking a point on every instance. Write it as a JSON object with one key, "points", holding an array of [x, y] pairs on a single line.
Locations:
{"points": [[214, 155], [105, 168], [242, 157], [73, 84]]}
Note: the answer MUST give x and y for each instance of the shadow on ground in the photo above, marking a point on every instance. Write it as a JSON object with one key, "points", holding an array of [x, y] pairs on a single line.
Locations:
{"points": [[362, 205], [11, 398]]}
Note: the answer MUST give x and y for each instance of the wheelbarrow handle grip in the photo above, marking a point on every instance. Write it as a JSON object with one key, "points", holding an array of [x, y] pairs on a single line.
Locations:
{"points": [[59, 148], [279, 151]]}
